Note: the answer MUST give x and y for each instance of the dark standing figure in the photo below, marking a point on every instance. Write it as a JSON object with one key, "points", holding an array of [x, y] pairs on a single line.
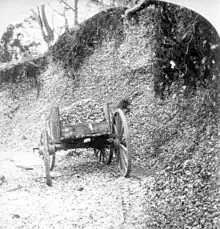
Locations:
{"points": [[124, 104]]}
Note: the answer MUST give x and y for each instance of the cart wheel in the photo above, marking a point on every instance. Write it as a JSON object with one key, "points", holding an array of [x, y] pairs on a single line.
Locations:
{"points": [[46, 156], [52, 156], [55, 124], [122, 146], [104, 155]]}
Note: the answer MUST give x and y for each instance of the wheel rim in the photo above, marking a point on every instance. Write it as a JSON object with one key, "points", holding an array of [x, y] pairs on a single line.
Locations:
{"points": [[46, 157], [52, 158], [122, 146]]}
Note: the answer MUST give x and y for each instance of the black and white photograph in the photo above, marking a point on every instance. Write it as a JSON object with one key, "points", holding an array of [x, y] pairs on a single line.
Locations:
{"points": [[109, 114]]}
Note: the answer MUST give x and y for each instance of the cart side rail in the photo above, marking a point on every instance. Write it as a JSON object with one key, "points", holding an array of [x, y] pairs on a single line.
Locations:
{"points": [[85, 130]]}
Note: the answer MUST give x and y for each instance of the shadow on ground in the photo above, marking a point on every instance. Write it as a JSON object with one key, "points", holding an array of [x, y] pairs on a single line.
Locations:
{"points": [[84, 166]]}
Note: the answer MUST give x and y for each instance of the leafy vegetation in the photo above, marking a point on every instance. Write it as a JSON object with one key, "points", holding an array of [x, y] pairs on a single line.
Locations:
{"points": [[14, 44], [73, 47], [184, 139], [187, 50]]}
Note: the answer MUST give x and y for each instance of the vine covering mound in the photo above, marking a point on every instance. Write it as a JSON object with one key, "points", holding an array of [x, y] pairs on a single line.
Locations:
{"points": [[166, 64]]}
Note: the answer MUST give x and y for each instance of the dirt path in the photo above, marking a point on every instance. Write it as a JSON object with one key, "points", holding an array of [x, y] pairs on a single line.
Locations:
{"points": [[85, 194]]}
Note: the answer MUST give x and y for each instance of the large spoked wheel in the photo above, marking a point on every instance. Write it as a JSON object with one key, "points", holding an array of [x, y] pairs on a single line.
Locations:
{"points": [[104, 155], [122, 145], [46, 156]]}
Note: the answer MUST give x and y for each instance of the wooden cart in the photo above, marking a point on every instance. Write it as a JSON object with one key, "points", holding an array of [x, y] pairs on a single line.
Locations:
{"points": [[109, 139]]}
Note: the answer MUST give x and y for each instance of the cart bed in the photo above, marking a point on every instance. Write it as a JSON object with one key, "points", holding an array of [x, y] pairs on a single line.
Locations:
{"points": [[85, 130]]}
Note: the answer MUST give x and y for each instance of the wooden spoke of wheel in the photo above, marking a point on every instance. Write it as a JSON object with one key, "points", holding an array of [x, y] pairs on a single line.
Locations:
{"points": [[104, 155], [46, 157], [52, 156], [123, 162], [53, 159], [123, 145]]}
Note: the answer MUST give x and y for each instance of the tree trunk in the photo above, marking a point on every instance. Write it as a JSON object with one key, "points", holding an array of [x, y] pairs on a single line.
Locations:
{"points": [[47, 32], [76, 12], [50, 33], [38, 17]]}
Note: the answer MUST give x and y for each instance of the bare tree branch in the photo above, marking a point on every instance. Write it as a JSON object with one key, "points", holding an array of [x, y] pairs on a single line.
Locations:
{"points": [[138, 7], [75, 10], [61, 14], [66, 24], [69, 6]]}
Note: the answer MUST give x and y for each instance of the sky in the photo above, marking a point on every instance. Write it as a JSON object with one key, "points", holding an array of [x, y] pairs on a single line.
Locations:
{"points": [[13, 10]]}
